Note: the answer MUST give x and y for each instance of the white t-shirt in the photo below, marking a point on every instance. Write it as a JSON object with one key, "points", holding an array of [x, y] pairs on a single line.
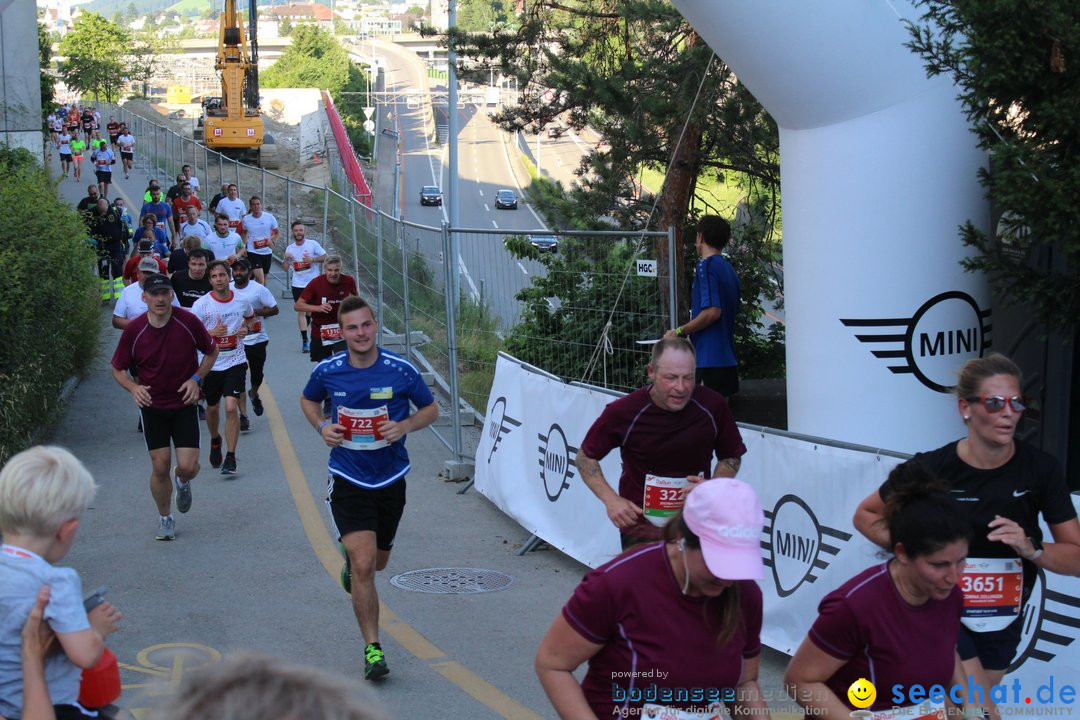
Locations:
{"points": [[303, 273], [235, 209], [130, 304], [126, 142], [223, 247], [258, 231], [194, 182], [259, 298], [231, 312], [64, 144], [201, 228]]}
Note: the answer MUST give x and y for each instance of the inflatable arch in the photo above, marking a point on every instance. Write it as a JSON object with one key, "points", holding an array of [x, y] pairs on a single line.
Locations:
{"points": [[878, 169]]}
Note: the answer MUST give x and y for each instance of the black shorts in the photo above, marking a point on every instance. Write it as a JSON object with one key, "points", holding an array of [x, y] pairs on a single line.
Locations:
{"points": [[262, 262], [320, 352], [995, 649], [724, 380], [103, 177], [296, 293], [176, 426], [65, 157], [229, 382], [113, 139], [356, 509], [72, 712], [127, 155]]}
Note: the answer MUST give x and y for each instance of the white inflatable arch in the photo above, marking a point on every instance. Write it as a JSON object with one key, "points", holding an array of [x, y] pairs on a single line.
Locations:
{"points": [[878, 169]]}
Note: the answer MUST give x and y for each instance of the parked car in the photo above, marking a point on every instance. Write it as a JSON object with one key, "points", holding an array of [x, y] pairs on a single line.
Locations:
{"points": [[430, 195], [544, 243], [506, 199]]}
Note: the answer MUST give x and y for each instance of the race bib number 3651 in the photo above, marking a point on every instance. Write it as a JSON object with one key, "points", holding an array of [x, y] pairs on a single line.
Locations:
{"points": [[362, 427]]}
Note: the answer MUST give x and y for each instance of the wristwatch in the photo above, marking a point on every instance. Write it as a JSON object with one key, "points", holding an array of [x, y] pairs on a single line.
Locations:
{"points": [[1037, 544], [197, 379]]}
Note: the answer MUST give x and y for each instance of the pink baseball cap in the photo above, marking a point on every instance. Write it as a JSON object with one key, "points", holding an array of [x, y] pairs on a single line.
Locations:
{"points": [[726, 515]]}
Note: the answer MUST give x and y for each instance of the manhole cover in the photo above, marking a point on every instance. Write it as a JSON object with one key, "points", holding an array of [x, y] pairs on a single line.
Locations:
{"points": [[452, 581]]}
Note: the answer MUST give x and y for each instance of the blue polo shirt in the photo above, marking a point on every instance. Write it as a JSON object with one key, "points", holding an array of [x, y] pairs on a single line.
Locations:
{"points": [[715, 285], [360, 399]]}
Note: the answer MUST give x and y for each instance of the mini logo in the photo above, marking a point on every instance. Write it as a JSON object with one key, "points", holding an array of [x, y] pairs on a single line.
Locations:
{"points": [[1050, 624], [934, 342], [556, 461], [1020, 493], [796, 542], [340, 393], [499, 424]]}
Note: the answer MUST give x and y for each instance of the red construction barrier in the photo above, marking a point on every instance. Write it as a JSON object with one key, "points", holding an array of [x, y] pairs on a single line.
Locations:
{"points": [[345, 150]]}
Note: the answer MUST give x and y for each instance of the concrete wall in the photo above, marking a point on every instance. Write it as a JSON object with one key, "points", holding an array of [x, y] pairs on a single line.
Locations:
{"points": [[20, 113]]}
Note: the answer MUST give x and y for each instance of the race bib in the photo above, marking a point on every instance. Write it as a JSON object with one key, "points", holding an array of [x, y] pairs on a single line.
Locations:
{"points": [[663, 498], [301, 265], [927, 710], [257, 326], [652, 711], [330, 332], [260, 244], [992, 590], [361, 427], [233, 224], [228, 342]]}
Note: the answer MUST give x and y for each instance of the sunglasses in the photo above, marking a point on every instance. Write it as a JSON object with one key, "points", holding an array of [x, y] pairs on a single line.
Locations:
{"points": [[996, 403]]}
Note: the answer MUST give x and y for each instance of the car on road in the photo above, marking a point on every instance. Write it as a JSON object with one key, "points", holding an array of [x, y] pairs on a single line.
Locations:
{"points": [[544, 243], [555, 131], [506, 199], [430, 195]]}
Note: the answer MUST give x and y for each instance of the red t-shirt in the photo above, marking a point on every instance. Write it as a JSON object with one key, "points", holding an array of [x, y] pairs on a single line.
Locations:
{"points": [[320, 288], [866, 622], [666, 444], [113, 129], [164, 357], [634, 607], [179, 204], [131, 268]]}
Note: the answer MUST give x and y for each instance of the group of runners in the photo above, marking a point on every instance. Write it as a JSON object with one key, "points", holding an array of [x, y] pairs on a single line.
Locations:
{"points": [[76, 132]]}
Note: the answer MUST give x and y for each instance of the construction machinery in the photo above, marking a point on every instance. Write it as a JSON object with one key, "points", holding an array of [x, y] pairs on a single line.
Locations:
{"points": [[232, 124]]}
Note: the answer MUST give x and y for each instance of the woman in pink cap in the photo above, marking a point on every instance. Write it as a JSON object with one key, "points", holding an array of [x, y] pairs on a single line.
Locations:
{"points": [[668, 627], [896, 623]]}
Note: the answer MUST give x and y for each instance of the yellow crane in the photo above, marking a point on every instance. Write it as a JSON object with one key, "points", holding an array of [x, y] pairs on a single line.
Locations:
{"points": [[232, 124]]}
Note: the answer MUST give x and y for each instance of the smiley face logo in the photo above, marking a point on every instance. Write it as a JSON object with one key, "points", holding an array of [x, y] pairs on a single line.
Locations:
{"points": [[862, 693]]}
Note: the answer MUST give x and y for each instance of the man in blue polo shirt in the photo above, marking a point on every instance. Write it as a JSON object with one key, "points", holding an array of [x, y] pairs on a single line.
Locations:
{"points": [[370, 390], [714, 301]]}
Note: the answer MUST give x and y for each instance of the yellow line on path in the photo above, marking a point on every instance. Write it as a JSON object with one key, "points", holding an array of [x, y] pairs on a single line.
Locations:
{"points": [[326, 550]]}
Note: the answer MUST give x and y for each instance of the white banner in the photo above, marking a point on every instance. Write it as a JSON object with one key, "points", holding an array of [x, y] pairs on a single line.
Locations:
{"points": [[524, 464]]}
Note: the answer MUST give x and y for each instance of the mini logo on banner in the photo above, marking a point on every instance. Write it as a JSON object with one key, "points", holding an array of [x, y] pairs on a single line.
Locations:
{"points": [[556, 462], [796, 543], [933, 343], [1046, 607], [499, 424]]}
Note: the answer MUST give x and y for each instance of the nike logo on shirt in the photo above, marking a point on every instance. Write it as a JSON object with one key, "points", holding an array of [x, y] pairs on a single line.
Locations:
{"points": [[1018, 493]]}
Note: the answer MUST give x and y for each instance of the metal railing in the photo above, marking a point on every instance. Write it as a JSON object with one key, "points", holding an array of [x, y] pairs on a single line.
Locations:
{"points": [[584, 315]]}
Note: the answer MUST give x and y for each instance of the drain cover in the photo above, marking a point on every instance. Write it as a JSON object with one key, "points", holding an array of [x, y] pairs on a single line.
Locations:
{"points": [[452, 581]]}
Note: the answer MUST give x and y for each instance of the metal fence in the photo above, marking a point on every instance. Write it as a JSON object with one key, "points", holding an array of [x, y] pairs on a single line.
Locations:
{"points": [[582, 313]]}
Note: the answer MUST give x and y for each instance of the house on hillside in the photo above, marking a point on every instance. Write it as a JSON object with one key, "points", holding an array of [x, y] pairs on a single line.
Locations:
{"points": [[298, 13]]}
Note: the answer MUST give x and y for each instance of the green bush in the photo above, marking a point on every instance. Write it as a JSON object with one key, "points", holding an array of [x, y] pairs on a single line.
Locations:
{"points": [[49, 300]]}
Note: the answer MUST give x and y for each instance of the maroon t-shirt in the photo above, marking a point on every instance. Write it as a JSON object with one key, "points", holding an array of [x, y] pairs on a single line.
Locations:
{"points": [[164, 357], [884, 638], [654, 637], [666, 444], [320, 288]]}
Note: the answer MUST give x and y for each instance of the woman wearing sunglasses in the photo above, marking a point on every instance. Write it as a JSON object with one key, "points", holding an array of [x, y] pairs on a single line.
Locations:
{"points": [[1002, 484]]}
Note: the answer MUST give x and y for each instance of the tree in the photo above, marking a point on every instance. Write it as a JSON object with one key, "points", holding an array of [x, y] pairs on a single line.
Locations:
{"points": [[637, 73], [285, 27], [1021, 89], [48, 92], [95, 50], [147, 53], [482, 15]]}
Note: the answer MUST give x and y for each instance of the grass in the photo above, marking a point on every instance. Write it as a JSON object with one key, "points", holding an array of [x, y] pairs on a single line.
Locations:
{"points": [[710, 192]]}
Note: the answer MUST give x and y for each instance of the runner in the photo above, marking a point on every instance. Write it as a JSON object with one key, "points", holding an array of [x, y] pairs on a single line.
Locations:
{"points": [[667, 434], [260, 231], [125, 218], [192, 283], [194, 225], [63, 147], [126, 142], [73, 119], [370, 390], [303, 257], [131, 303], [160, 210], [144, 248], [182, 202], [161, 346], [320, 298], [228, 319], [78, 148], [148, 230], [56, 126], [223, 243], [265, 305], [232, 206], [103, 161], [186, 169], [86, 122], [113, 129]]}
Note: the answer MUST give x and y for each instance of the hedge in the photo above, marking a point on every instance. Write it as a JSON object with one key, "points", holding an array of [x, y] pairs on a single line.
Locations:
{"points": [[49, 299]]}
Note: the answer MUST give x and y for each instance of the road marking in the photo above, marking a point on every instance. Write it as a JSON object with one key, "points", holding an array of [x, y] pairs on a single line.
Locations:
{"points": [[479, 191], [494, 224], [326, 551], [523, 269], [487, 209]]}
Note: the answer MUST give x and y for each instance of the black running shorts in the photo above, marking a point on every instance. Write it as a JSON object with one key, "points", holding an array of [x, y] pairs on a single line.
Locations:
{"points": [[229, 383], [356, 509], [176, 426], [261, 261]]}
